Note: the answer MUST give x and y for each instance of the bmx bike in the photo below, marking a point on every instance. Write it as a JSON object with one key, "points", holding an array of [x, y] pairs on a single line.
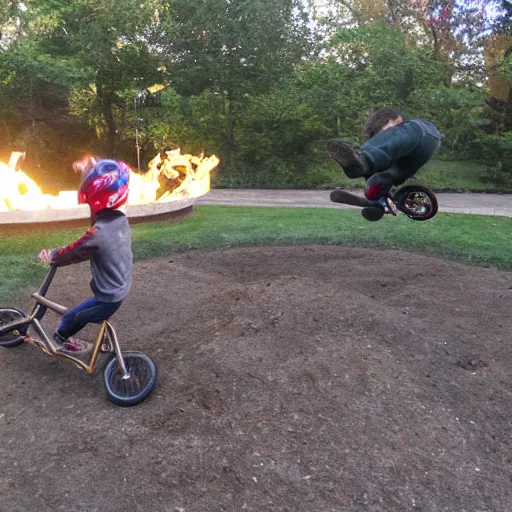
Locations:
{"points": [[129, 377], [415, 201]]}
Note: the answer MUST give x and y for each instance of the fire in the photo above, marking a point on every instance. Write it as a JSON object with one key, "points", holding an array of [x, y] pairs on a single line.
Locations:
{"points": [[170, 176]]}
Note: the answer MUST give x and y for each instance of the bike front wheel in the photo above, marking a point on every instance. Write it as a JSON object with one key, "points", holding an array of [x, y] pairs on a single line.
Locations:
{"points": [[417, 202], [15, 337], [134, 387]]}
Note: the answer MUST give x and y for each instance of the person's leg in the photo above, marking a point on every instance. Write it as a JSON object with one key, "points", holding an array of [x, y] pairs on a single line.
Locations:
{"points": [[347, 155], [68, 318], [380, 152], [404, 168], [89, 311], [410, 164], [379, 184], [391, 145]]}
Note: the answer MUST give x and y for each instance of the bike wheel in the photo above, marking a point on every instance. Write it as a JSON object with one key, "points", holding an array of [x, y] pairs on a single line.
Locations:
{"points": [[135, 388], [417, 202], [13, 338]]}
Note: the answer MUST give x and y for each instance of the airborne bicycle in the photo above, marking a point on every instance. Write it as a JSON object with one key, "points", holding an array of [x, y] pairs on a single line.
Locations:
{"points": [[415, 201]]}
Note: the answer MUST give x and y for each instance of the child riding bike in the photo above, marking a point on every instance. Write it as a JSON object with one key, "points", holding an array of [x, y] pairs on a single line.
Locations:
{"points": [[107, 244], [394, 150]]}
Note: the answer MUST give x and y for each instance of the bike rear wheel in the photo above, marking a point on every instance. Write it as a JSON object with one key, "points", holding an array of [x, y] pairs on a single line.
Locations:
{"points": [[137, 385], [13, 338], [417, 202]]}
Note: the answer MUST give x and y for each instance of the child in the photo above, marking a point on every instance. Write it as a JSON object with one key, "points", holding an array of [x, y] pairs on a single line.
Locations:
{"points": [[395, 150], [107, 244]]}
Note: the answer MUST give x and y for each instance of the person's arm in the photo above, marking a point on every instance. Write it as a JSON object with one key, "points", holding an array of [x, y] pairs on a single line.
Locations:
{"points": [[80, 250]]}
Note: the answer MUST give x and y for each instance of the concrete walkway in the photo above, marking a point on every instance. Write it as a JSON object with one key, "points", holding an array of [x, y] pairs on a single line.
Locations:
{"points": [[479, 204]]}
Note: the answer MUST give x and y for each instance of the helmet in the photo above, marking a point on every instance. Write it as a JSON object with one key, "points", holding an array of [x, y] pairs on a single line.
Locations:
{"points": [[104, 185]]}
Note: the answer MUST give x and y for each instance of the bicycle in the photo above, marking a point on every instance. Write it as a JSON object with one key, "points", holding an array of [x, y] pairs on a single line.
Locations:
{"points": [[415, 201], [129, 377]]}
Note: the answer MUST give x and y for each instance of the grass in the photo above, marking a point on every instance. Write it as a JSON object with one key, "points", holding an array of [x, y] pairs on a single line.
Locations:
{"points": [[440, 175], [472, 239], [458, 176]]}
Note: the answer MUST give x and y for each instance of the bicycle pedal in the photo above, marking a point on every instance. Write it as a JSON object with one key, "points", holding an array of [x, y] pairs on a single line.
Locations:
{"points": [[393, 210], [389, 205]]}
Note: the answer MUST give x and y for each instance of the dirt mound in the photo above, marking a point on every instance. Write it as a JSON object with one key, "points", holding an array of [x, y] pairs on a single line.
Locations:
{"points": [[302, 379]]}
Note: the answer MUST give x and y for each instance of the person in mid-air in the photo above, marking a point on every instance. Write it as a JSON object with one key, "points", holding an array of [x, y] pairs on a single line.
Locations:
{"points": [[394, 150], [107, 244]]}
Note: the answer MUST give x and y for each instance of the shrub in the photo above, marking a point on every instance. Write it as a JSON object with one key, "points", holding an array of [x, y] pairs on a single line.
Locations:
{"points": [[495, 151]]}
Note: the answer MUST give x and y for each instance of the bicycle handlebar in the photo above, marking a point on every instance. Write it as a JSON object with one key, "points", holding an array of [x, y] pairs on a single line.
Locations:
{"points": [[47, 281]]}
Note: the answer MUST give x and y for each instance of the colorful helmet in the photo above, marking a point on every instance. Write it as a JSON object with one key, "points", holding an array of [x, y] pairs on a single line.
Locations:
{"points": [[104, 185]]}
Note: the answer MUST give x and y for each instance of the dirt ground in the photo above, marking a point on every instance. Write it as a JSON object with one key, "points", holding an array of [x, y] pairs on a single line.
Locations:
{"points": [[302, 379]]}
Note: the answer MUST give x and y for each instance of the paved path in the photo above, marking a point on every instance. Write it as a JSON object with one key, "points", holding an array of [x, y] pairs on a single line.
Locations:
{"points": [[479, 204]]}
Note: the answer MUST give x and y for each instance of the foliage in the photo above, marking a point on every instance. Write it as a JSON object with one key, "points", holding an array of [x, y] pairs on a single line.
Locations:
{"points": [[381, 67], [440, 174], [457, 111], [496, 152], [105, 43], [236, 50], [255, 82], [504, 68], [235, 47], [278, 137]]}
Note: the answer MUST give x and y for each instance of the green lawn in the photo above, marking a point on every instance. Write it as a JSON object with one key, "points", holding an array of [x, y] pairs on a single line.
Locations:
{"points": [[473, 239], [457, 175]]}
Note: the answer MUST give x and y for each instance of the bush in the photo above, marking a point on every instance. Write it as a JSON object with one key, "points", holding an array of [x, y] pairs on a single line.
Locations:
{"points": [[495, 152]]}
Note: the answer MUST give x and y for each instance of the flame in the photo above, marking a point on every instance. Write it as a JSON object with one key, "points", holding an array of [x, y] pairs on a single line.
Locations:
{"points": [[170, 176]]}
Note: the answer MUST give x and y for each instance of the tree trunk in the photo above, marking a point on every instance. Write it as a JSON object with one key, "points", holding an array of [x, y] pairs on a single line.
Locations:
{"points": [[106, 103], [229, 144]]}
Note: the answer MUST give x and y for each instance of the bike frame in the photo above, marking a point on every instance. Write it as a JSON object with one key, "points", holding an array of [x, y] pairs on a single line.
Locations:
{"points": [[46, 343]]}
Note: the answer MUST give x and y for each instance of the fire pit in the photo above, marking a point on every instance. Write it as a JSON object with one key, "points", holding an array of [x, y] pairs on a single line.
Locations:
{"points": [[167, 191]]}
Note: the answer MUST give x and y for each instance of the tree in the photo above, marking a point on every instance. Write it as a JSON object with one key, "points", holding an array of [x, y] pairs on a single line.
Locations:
{"points": [[452, 28], [382, 65], [235, 49], [498, 60], [103, 46]]}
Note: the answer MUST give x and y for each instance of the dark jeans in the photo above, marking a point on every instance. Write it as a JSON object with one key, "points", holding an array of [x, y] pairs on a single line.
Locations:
{"points": [[89, 311], [398, 153]]}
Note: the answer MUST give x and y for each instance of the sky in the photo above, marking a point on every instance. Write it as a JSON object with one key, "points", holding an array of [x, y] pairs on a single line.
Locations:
{"points": [[492, 7]]}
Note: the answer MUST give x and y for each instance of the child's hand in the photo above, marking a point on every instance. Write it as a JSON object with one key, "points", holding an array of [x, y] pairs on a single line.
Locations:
{"points": [[46, 256]]}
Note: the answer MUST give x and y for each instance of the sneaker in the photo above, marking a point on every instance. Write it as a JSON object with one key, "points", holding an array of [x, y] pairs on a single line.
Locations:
{"points": [[71, 345], [346, 154], [373, 213], [389, 205]]}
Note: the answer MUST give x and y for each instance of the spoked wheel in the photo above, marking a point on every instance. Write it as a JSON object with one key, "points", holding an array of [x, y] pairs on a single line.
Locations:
{"points": [[417, 202], [137, 385], [13, 338]]}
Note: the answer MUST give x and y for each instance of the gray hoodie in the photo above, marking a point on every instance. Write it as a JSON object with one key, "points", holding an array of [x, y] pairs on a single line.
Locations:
{"points": [[108, 244]]}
